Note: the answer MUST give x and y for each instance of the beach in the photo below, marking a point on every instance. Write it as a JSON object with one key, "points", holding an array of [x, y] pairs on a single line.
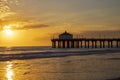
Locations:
{"points": [[59, 39], [55, 64]]}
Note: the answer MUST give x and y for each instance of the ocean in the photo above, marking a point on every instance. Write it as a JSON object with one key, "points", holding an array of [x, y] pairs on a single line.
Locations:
{"points": [[46, 63]]}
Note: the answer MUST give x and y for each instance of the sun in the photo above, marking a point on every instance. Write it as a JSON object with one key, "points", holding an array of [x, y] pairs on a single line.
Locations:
{"points": [[8, 30]]}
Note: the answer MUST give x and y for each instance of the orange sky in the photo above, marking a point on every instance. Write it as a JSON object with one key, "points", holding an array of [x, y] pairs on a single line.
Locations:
{"points": [[34, 22]]}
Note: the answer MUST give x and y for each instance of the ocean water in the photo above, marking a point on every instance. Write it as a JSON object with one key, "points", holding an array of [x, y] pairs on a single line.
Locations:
{"points": [[45, 63]]}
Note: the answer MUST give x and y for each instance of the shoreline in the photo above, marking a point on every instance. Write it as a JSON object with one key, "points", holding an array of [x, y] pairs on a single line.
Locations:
{"points": [[34, 55], [114, 79]]}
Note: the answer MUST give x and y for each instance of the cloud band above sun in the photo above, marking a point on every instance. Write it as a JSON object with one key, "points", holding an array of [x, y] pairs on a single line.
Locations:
{"points": [[23, 27]]}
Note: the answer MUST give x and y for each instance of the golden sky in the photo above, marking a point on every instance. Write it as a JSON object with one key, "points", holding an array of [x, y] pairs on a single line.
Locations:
{"points": [[34, 22]]}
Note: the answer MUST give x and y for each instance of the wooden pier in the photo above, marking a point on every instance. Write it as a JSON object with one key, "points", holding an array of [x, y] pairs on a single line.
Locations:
{"points": [[66, 40], [86, 43]]}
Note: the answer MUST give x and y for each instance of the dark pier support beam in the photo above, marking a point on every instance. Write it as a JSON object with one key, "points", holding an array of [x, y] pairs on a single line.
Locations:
{"points": [[53, 44], [92, 44], [111, 44], [85, 44], [103, 44], [81, 44], [63, 44], [72, 44], [108, 44], [77, 44], [95, 44], [59, 44], [88, 44], [100, 44], [117, 44], [68, 44]]}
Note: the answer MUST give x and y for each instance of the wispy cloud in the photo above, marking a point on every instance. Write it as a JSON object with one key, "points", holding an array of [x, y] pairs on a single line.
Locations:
{"points": [[18, 22], [30, 26], [24, 26], [5, 8]]}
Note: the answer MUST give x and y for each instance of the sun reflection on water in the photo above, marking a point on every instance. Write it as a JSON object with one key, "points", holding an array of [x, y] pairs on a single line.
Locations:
{"points": [[9, 71]]}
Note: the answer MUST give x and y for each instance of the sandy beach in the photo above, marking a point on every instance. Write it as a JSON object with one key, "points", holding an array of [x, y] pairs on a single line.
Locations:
{"points": [[61, 65]]}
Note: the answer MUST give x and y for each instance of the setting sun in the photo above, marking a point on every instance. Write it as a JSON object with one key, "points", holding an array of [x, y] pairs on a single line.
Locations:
{"points": [[7, 30]]}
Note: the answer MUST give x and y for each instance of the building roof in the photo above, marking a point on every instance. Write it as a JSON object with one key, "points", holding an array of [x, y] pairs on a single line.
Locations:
{"points": [[66, 33]]}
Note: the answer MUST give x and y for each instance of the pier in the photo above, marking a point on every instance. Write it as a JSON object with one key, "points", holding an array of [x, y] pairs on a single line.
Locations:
{"points": [[66, 40]]}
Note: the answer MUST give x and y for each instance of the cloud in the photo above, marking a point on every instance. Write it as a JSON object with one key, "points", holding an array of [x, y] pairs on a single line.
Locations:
{"points": [[21, 23], [6, 8], [32, 26], [25, 27]]}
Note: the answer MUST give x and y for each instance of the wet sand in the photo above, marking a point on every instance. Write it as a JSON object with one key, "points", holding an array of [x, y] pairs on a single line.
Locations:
{"points": [[85, 67], [69, 65]]}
